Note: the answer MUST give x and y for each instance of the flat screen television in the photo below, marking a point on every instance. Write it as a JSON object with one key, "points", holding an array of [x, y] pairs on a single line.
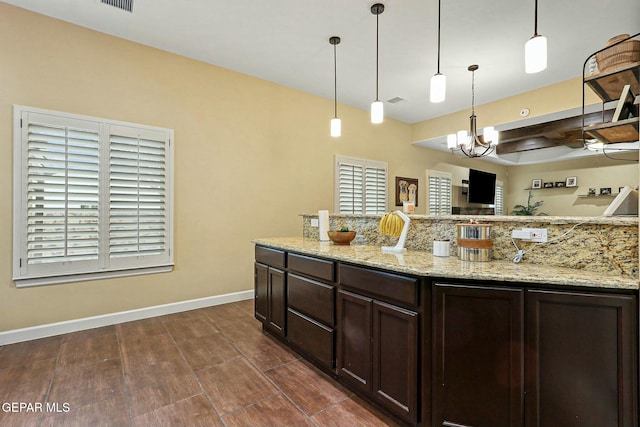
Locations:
{"points": [[482, 187]]}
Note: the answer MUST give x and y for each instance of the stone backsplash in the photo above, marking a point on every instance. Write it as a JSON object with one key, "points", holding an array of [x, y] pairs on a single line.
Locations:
{"points": [[600, 244]]}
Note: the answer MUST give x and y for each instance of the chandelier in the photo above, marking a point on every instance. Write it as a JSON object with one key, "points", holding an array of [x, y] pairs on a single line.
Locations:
{"points": [[472, 145]]}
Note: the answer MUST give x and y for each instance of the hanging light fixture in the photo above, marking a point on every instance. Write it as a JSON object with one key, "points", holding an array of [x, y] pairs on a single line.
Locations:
{"points": [[472, 145], [438, 81], [377, 109], [336, 124], [535, 49]]}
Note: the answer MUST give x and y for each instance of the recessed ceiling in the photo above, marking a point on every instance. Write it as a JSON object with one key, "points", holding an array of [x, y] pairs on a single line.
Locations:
{"points": [[287, 42]]}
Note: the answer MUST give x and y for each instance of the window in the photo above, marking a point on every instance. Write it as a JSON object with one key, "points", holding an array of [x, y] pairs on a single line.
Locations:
{"points": [[438, 193], [92, 198], [361, 186]]}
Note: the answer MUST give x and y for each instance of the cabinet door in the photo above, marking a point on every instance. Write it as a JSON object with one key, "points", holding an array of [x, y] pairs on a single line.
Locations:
{"points": [[395, 358], [478, 360], [277, 301], [354, 339], [580, 360], [261, 291]]}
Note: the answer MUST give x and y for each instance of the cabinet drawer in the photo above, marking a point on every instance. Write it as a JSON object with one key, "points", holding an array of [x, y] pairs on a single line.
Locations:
{"points": [[320, 268], [311, 337], [388, 286], [311, 298], [272, 257]]}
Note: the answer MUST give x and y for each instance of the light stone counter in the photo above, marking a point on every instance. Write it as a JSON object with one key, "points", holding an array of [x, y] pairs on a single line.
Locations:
{"points": [[423, 263]]}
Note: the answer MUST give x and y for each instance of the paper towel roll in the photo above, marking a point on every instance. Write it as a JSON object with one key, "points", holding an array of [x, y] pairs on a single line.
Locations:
{"points": [[323, 225]]}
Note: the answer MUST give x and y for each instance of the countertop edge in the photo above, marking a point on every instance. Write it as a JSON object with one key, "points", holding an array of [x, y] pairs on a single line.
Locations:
{"points": [[423, 263]]}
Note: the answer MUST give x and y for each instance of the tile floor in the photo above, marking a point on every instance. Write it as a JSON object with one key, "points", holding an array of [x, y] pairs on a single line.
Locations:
{"points": [[206, 367]]}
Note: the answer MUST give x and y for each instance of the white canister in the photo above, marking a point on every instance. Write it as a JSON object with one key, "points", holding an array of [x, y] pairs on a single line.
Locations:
{"points": [[441, 248]]}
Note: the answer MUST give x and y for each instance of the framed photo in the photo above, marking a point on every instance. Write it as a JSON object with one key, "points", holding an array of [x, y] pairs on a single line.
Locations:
{"points": [[605, 191], [536, 183], [572, 181], [559, 184], [406, 190], [548, 185]]}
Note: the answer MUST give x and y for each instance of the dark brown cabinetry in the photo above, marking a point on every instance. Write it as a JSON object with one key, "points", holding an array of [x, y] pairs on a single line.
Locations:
{"points": [[311, 307], [377, 340], [478, 361], [458, 353], [270, 289], [581, 359], [577, 366]]}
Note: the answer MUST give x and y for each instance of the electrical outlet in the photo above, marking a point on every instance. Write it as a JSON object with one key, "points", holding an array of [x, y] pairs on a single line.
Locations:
{"points": [[314, 222], [538, 235]]}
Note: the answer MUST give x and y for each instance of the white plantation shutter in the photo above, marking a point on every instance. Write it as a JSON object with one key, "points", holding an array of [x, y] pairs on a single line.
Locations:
{"points": [[138, 219], [350, 187], [92, 197], [375, 194], [499, 201], [438, 193], [361, 186]]}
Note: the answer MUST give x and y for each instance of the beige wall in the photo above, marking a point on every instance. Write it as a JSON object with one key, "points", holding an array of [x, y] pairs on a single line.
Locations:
{"points": [[250, 156]]}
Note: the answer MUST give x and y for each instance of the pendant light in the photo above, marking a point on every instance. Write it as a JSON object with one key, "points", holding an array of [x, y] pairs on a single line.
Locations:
{"points": [[438, 81], [535, 49], [336, 124], [377, 109]]}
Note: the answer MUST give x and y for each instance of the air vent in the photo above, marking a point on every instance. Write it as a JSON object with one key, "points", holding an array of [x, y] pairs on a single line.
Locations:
{"points": [[120, 4], [396, 100]]}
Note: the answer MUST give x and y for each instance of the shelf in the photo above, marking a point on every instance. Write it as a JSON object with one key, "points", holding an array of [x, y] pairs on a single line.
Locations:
{"points": [[608, 85], [585, 196], [612, 132]]}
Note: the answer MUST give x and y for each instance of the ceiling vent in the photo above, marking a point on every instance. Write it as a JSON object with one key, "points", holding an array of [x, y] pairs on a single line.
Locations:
{"points": [[395, 100], [120, 4]]}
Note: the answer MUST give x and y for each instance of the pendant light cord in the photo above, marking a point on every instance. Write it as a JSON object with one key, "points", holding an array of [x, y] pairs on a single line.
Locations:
{"points": [[377, 31], [535, 21], [335, 83], [439, 36], [473, 93]]}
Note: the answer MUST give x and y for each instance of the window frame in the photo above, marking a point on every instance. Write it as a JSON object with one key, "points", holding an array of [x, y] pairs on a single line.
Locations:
{"points": [[25, 274], [431, 173]]}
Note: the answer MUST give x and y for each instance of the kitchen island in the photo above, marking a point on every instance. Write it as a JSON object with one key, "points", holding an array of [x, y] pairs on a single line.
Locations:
{"points": [[436, 341]]}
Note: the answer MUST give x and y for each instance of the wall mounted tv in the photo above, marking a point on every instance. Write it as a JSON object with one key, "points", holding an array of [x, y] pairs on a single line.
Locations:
{"points": [[482, 187]]}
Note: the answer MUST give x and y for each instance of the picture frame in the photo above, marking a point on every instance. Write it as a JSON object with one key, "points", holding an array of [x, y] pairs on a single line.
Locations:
{"points": [[406, 190], [547, 184], [559, 184], [571, 181], [536, 183], [605, 191]]}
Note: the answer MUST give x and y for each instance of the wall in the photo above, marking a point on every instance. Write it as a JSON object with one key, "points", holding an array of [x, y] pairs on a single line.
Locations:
{"points": [[249, 157], [596, 172]]}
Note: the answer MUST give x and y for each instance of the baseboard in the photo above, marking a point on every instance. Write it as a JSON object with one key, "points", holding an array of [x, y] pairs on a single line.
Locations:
{"points": [[51, 329]]}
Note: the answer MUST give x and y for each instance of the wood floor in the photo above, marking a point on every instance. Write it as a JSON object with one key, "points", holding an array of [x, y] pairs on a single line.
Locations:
{"points": [[207, 367]]}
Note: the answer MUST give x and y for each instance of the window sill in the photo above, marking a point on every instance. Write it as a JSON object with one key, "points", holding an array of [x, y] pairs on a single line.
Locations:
{"points": [[58, 280]]}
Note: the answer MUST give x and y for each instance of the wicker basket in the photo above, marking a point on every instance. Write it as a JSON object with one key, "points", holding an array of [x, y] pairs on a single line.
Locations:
{"points": [[620, 55]]}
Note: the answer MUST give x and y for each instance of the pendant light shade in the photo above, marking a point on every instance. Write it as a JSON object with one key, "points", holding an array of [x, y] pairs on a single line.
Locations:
{"points": [[438, 87], [377, 112], [535, 54], [535, 49], [336, 124], [377, 108]]}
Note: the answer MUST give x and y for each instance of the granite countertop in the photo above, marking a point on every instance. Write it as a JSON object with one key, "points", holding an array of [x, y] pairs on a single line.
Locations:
{"points": [[423, 263]]}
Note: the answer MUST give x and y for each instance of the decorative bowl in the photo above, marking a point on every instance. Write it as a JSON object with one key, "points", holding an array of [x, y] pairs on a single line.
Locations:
{"points": [[341, 237]]}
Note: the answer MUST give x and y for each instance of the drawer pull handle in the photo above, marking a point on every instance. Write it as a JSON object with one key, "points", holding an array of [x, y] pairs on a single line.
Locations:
{"points": [[450, 424]]}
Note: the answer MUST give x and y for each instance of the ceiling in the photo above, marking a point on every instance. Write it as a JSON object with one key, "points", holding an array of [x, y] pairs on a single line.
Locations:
{"points": [[287, 42]]}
